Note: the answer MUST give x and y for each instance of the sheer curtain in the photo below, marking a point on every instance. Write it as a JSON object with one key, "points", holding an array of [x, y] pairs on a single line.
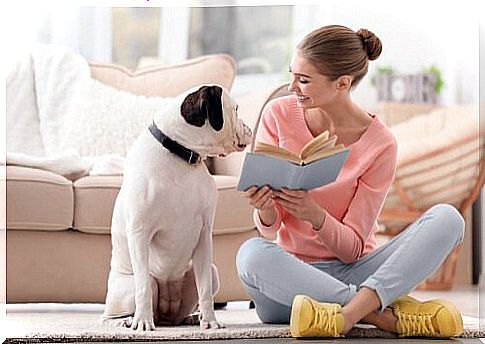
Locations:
{"points": [[85, 30], [173, 40]]}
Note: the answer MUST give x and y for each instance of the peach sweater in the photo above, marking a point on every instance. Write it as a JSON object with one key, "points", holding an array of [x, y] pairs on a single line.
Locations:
{"points": [[352, 203]]}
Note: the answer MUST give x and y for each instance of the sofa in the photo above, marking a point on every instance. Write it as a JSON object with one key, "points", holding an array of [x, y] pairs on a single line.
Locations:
{"points": [[58, 230]]}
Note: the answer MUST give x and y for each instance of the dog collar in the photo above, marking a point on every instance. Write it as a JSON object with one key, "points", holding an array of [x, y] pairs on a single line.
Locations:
{"points": [[188, 155]]}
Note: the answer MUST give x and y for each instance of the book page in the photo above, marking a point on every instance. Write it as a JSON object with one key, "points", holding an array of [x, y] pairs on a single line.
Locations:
{"points": [[328, 144], [315, 142], [324, 153], [276, 152]]}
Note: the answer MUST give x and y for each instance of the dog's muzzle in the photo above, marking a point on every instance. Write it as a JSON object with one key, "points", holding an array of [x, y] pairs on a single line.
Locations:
{"points": [[244, 136], [241, 140]]}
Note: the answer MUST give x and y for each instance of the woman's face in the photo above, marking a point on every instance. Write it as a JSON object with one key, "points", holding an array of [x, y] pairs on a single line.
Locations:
{"points": [[312, 88]]}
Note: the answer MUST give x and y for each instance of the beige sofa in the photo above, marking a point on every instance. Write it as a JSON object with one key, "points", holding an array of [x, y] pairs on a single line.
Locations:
{"points": [[58, 242]]}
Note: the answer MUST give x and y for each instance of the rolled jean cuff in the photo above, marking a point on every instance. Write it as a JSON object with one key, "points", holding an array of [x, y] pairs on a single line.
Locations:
{"points": [[380, 291]]}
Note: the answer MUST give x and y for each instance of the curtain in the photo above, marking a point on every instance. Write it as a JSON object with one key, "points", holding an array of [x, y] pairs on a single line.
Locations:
{"points": [[85, 30]]}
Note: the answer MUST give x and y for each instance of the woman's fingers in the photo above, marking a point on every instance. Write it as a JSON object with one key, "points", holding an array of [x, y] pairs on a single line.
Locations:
{"points": [[250, 192], [293, 193], [286, 204], [268, 204], [287, 197], [265, 198], [258, 198]]}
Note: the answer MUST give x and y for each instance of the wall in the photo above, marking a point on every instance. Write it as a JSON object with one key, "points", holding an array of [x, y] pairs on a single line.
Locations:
{"points": [[414, 37]]}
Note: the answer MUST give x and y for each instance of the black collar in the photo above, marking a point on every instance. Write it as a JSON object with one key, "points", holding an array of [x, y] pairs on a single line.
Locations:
{"points": [[176, 148]]}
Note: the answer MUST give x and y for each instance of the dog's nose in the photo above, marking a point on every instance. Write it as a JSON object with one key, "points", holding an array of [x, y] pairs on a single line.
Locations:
{"points": [[241, 147]]}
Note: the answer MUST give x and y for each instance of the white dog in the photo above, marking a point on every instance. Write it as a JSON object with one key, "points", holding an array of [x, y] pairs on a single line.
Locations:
{"points": [[161, 231]]}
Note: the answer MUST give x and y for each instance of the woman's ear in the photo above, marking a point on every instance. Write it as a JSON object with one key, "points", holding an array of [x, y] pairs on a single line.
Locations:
{"points": [[344, 82]]}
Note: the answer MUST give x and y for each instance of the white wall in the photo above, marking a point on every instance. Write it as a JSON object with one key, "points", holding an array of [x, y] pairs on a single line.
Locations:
{"points": [[414, 37]]}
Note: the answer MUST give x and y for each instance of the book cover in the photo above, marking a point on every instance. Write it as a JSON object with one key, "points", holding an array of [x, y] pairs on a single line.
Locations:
{"points": [[260, 170]]}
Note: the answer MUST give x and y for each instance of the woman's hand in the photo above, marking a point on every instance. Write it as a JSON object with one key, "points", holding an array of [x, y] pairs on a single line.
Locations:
{"points": [[300, 204], [262, 199]]}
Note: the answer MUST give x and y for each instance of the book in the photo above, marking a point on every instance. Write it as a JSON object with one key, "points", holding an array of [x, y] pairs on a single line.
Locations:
{"points": [[318, 164]]}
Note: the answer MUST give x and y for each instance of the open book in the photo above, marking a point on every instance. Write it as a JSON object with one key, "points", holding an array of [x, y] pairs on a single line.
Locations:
{"points": [[318, 164]]}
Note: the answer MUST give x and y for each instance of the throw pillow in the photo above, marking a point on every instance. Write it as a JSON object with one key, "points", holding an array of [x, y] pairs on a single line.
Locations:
{"points": [[103, 120]]}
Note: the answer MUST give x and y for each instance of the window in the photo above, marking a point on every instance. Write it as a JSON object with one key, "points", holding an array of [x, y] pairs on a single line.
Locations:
{"points": [[258, 37], [135, 34]]}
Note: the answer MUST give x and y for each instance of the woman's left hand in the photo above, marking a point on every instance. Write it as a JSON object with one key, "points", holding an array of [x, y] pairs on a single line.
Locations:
{"points": [[300, 204]]}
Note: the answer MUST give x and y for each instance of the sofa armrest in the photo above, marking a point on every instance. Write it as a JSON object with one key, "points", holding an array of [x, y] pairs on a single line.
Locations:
{"points": [[250, 108]]}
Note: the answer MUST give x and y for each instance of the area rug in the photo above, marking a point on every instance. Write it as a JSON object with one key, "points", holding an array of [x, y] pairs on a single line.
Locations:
{"points": [[31, 327]]}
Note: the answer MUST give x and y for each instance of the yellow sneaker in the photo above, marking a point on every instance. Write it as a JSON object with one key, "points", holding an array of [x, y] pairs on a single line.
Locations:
{"points": [[433, 318], [310, 318]]}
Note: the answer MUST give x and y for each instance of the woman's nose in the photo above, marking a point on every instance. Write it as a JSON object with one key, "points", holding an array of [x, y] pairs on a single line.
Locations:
{"points": [[291, 85]]}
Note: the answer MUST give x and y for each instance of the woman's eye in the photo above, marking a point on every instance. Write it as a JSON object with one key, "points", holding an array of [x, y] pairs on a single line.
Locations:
{"points": [[302, 81]]}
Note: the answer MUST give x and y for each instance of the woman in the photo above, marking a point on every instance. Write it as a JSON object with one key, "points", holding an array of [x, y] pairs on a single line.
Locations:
{"points": [[324, 273]]}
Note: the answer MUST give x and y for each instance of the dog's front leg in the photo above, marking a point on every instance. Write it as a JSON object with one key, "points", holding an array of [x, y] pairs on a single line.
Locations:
{"points": [[202, 262], [138, 245]]}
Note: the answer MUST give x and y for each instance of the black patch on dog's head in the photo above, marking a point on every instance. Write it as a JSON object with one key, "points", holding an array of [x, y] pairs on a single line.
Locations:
{"points": [[204, 104]]}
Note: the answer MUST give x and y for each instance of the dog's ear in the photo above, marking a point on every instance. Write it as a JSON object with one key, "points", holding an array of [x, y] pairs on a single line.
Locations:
{"points": [[204, 104], [214, 107]]}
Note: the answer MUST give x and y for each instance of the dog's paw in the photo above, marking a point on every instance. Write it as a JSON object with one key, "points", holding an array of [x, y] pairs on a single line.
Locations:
{"points": [[117, 322], [143, 323], [208, 319], [126, 322], [213, 324]]}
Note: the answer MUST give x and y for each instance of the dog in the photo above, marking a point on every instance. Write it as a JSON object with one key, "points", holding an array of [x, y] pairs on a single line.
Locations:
{"points": [[161, 264]]}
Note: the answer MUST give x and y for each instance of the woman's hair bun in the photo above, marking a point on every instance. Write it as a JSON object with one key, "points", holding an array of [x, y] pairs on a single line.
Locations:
{"points": [[372, 44]]}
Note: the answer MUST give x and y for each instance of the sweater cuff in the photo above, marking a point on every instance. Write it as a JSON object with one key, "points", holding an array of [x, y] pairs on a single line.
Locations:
{"points": [[329, 225], [267, 231]]}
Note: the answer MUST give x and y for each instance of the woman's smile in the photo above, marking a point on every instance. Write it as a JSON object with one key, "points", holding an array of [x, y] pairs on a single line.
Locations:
{"points": [[302, 99]]}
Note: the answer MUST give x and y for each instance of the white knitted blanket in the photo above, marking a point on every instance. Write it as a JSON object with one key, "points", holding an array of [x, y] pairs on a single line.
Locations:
{"points": [[60, 119]]}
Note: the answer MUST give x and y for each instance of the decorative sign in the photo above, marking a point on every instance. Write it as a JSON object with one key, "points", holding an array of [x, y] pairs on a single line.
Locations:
{"points": [[415, 88]]}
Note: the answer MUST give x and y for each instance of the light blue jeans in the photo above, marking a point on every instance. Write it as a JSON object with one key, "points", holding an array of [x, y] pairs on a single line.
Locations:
{"points": [[273, 277]]}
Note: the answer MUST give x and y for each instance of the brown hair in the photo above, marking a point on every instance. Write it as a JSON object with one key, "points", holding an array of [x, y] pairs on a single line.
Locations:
{"points": [[337, 50]]}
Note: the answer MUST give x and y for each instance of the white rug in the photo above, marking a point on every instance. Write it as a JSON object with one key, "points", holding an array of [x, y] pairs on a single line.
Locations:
{"points": [[69, 325]]}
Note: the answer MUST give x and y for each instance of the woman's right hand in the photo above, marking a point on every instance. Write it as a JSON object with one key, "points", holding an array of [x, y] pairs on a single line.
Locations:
{"points": [[262, 199]]}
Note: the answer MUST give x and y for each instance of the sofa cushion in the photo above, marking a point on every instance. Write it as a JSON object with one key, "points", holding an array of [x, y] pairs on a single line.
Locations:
{"points": [[38, 200], [233, 212], [168, 81], [95, 197]]}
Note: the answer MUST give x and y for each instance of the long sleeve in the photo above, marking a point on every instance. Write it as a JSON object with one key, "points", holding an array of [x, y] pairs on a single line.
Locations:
{"points": [[347, 238], [268, 231], [268, 133]]}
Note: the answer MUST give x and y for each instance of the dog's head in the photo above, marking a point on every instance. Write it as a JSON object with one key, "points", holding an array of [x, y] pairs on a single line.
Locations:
{"points": [[205, 120]]}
